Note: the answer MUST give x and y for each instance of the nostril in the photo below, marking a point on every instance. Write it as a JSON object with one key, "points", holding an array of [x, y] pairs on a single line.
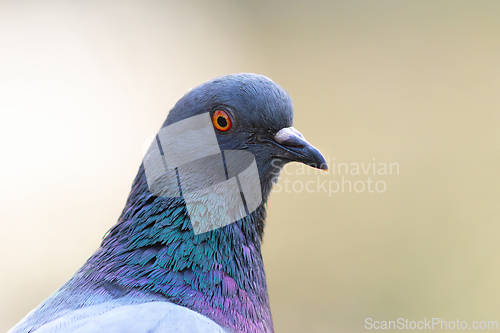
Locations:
{"points": [[290, 137], [283, 135]]}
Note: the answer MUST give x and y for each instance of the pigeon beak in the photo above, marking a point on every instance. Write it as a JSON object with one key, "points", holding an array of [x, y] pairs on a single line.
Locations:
{"points": [[296, 148]]}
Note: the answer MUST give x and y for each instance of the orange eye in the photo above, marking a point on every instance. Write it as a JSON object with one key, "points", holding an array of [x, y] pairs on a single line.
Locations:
{"points": [[221, 120]]}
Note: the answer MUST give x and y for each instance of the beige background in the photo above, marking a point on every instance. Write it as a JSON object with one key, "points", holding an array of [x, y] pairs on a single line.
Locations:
{"points": [[83, 84]]}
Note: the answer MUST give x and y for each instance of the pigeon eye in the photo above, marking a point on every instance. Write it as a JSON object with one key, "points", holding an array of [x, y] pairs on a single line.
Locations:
{"points": [[221, 121]]}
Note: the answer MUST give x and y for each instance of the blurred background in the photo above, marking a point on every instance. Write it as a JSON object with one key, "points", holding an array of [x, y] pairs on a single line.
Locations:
{"points": [[84, 84]]}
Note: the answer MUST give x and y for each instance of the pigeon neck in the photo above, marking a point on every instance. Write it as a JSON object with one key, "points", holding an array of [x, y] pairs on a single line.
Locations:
{"points": [[219, 273]]}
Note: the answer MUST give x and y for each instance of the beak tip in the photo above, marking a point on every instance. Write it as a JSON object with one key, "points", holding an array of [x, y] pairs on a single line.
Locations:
{"points": [[323, 166]]}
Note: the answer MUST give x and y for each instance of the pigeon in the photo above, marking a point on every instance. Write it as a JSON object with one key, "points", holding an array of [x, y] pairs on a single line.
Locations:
{"points": [[162, 267]]}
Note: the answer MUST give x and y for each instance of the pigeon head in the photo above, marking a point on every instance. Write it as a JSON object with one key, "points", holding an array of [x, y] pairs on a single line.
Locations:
{"points": [[155, 249], [256, 116]]}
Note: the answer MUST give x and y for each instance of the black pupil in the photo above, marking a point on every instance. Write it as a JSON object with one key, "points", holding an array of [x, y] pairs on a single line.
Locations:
{"points": [[221, 121]]}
